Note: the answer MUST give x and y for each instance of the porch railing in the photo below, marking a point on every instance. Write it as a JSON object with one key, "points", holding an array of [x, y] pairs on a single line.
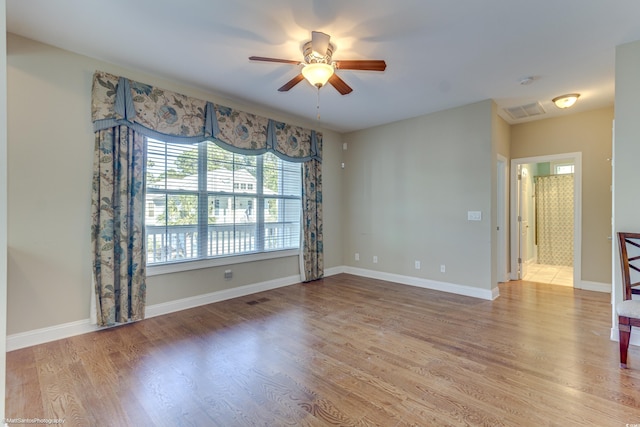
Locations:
{"points": [[180, 242]]}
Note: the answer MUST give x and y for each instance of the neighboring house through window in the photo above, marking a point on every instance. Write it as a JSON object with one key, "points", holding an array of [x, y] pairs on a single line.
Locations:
{"points": [[205, 202]]}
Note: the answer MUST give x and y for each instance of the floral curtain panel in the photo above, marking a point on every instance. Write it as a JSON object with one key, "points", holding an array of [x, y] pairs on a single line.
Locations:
{"points": [[120, 105], [313, 261], [117, 232]]}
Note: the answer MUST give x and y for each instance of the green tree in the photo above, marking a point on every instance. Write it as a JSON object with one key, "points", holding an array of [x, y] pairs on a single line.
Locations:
{"points": [[270, 172], [187, 162], [217, 158], [181, 210]]}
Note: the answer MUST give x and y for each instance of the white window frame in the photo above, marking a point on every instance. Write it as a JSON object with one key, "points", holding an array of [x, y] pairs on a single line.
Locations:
{"points": [[556, 165], [199, 263]]}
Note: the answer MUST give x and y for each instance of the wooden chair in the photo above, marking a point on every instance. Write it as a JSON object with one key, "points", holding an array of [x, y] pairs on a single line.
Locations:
{"points": [[628, 310]]}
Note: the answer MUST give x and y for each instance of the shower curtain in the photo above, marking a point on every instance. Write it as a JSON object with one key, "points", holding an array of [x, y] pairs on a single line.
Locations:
{"points": [[554, 219]]}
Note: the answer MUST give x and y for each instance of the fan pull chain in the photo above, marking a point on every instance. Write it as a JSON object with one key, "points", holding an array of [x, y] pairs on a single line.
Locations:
{"points": [[318, 104]]}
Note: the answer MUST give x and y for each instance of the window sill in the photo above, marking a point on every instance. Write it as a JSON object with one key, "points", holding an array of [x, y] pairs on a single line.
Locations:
{"points": [[176, 267]]}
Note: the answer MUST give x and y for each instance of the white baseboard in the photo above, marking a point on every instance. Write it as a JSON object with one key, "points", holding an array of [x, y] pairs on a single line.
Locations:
{"points": [[334, 270], [198, 300], [52, 333], [66, 330], [427, 283], [595, 286]]}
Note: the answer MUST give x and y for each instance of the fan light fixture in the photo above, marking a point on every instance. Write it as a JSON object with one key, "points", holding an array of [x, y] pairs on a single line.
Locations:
{"points": [[566, 101], [317, 73], [318, 67]]}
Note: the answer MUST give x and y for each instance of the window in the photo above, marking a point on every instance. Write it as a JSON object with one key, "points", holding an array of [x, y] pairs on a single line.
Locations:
{"points": [[562, 168], [151, 210], [209, 202]]}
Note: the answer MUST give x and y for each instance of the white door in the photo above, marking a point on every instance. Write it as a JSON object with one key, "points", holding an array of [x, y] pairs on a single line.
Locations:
{"points": [[524, 199]]}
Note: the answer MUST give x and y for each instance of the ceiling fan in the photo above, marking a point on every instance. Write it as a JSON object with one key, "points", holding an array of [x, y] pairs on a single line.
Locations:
{"points": [[318, 66]]}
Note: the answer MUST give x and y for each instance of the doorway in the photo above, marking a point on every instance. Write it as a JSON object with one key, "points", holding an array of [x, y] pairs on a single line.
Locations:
{"points": [[526, 218]]}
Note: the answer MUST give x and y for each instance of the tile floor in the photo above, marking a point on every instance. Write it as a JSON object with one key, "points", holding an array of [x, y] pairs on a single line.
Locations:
{"points": [[553, 274]]}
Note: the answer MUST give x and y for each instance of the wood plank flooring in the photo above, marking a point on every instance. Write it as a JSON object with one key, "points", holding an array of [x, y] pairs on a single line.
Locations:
{"points": [[342, 351]]}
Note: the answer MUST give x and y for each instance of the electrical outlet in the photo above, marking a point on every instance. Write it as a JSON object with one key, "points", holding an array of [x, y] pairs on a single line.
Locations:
{"points": [[442, 268], [357, 256], [417, 265], [228, 274], [375, 259]]}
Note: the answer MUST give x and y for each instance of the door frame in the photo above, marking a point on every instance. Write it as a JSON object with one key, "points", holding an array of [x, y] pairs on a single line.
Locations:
{"points": [[502, 234], [577, 211], [521, 217]]}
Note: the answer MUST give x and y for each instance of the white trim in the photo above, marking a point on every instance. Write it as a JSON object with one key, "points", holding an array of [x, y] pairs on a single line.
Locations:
{"points": [[594, 286], [453, 288], [301, 267], [502, 217], [66, 330], [217, 296], [334, 270], [577, 210], [51, 333], [174, 267], [616, 274]]}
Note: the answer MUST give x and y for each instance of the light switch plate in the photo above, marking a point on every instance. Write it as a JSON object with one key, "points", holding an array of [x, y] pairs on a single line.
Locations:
{"points": [[474, 215]]}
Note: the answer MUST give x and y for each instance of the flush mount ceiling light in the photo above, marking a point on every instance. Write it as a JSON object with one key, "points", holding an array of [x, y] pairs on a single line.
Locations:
{"points": [[566, 101], [317, 73]]}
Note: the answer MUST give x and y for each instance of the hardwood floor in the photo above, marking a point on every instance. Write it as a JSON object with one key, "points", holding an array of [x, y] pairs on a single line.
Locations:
{"points": [[342, 351]]}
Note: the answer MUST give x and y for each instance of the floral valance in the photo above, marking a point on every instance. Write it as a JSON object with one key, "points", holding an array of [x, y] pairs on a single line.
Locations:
{"points": [[173, 117]]}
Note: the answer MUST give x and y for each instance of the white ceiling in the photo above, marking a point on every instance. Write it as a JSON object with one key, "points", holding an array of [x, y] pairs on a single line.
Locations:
{"points": [[440, 53]]}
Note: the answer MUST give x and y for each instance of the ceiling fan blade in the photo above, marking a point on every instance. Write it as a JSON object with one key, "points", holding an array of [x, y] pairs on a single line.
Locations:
{"points": [[291, 83], [284, 61], [319, 43], [364, 64], [340, 85]]}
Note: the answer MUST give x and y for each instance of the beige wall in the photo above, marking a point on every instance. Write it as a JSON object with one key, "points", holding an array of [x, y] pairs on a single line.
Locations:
{"points": [[627, 148], [3, 202], [408, 187], [589, 133], [403, 195], [50, 145], [501, 134]]}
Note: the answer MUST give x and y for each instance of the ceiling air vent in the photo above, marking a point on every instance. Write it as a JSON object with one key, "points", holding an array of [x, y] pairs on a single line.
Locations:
{"points": [[524, 111]]}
